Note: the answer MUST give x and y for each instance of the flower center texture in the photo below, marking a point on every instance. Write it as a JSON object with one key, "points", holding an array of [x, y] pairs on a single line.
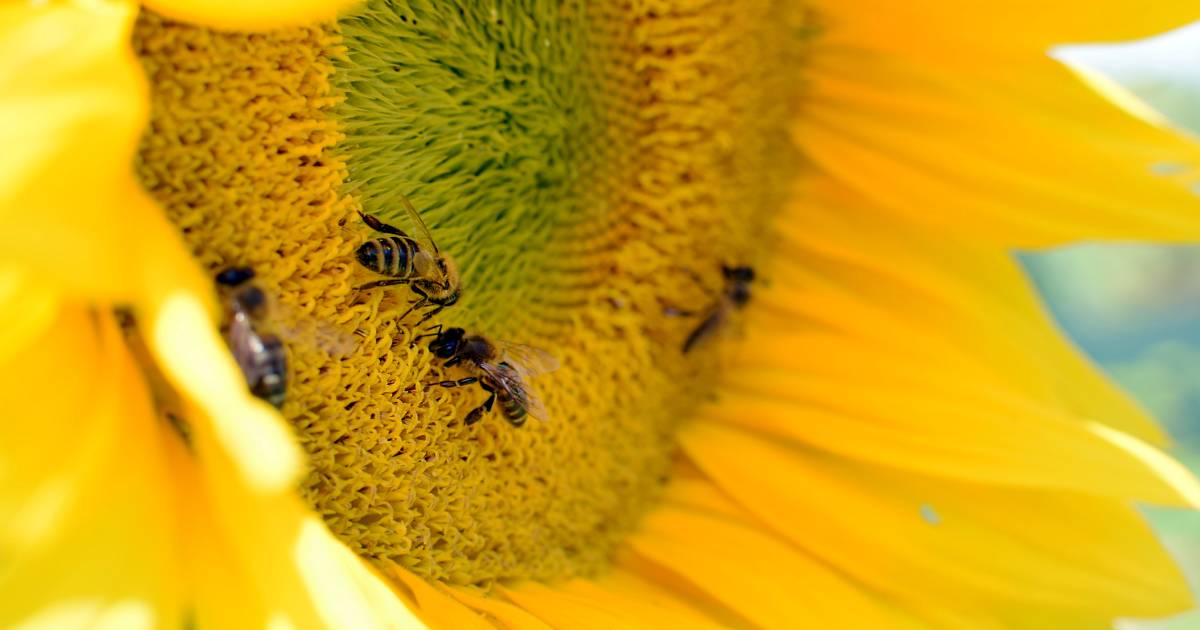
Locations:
{"points": [[589, 167]]}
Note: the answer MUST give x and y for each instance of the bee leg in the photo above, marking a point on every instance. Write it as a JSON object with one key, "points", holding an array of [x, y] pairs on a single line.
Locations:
{"points": [[379, 226], [415, 305], [459, 383], [381, 283], [478, 412], [671, 311], [431, 313], [437, 330]]}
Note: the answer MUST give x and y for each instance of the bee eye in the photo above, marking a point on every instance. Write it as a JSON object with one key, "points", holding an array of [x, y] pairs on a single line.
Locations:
{"points": [[234, 276]]}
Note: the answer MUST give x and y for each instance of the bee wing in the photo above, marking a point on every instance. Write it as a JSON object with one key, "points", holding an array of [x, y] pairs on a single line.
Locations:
{"points": [[416, 219], [526, 360], [299, 328], [518, 387]]}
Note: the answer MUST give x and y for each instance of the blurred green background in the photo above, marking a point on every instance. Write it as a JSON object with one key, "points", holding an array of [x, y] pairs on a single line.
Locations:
{"points": [[1135, 308]]}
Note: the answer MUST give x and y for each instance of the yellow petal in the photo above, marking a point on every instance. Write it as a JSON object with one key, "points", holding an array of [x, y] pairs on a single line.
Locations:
{"points": [[267, 14], [617, 599], [490, 606], [27, 307], [436, 607], [81, 476], [72, 111], [724, 557], [924, 540], [954, 152], [982, 30], [912, 296], [277, 560], [850, 398]]}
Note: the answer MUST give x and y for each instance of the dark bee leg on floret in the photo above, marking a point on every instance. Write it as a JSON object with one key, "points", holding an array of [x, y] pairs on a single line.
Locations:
{"points": [[459, 383], [380, 226], [478, 412], [417, 304], [437, 330], [382, 283], [438, 309]]}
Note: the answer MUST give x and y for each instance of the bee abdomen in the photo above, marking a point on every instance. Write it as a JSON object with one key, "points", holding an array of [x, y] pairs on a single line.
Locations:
{"points": [[388, 255], [514, 411], [271, 371]]}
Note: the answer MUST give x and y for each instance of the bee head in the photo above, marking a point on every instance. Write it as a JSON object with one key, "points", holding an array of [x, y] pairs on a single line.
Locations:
{"points": [[447, 343], [742, 274], [235, 276]]}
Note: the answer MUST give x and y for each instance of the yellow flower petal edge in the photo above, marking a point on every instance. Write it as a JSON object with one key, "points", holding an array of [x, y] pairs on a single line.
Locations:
{"points": [[71, 65], [195, 357], [257, 15], [73, 101], [980, 31], [989, 534], [82, 470]]}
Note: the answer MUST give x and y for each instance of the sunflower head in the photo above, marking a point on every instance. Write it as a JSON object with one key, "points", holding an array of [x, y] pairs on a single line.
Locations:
{"points": [[574, 308]]}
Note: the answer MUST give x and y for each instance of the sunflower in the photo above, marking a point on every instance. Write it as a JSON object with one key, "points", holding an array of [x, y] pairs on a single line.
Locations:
{"points": [[889, 432]]}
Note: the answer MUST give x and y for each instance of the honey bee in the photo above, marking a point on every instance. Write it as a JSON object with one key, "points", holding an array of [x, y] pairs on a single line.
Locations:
{"points": [[260, 355], [735, 296], [505, 371], [429, 273]]}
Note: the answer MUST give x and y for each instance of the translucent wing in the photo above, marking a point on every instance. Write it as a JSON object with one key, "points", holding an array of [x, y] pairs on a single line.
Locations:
{"points": [[526, 360], [416, 219], [299, 328], [512, 381], [309, 332]]}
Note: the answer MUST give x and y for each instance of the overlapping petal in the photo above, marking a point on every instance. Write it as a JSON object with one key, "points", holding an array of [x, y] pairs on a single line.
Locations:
{"points": [[267, 14], [921, 539], [921, 296], [72, 106], [952, 149], [78, 445], [979, 31], [79, 237]]}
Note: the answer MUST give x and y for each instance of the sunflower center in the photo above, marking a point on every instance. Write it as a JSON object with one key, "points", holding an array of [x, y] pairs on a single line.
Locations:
{"points": [[589, 167]]}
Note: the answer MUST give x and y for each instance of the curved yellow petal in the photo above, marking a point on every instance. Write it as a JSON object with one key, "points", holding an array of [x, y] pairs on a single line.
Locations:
{"points": [[437, 607], [27, 307], [911, 295], [981, 30], [904, 413], [951, 151], [615, 600], [81, 474], [282, 561], [267, 14], [723, 557], [492, 607], [72, 110], [925, 541]]}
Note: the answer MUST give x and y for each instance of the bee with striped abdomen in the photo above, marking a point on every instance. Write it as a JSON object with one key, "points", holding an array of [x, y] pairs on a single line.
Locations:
{"points": [[735, 296], [260, 355], [505, 371], [428, 272]]}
